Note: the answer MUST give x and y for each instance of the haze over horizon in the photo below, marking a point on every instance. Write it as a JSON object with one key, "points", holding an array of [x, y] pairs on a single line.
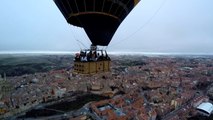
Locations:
{"points": [[164, 26]]}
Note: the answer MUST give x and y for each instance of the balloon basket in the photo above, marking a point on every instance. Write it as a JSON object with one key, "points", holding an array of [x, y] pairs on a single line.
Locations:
{"points": [[91, 61]]}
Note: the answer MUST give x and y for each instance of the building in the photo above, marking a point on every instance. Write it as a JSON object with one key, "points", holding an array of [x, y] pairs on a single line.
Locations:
{"points": [[128, 106], [5, 86], [59, 92], [197, 101], [205, 108]]}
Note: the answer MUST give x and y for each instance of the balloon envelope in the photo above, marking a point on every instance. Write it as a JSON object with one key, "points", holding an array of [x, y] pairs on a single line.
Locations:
{"points": [[99, 18]]}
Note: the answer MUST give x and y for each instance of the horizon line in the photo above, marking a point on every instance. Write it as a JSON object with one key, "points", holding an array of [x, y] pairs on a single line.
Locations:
{"points": [[111, 52]]}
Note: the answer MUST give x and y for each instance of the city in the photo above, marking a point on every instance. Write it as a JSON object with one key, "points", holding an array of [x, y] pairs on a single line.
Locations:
{"points": [[137, 87], [106, 60]]}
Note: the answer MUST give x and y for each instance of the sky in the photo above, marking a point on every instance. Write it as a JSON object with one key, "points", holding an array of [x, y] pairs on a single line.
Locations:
{"points": [[160, 26]]}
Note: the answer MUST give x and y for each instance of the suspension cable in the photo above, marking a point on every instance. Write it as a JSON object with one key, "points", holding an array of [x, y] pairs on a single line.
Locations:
{"points": [[141, 27]]}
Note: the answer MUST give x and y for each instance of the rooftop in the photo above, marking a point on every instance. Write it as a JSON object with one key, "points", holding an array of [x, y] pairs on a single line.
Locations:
{"points": [[206, 107]]}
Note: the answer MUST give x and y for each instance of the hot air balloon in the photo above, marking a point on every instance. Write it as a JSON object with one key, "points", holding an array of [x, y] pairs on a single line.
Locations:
{"points": [[99, 18]]}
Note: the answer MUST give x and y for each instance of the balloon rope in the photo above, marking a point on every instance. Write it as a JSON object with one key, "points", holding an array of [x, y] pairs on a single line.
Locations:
{"points": [[73, 33], [141, 27], [81, 43]]}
